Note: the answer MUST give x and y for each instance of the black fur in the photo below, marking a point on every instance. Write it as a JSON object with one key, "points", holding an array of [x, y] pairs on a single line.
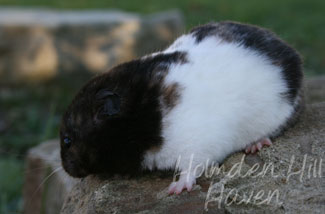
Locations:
{"points": [[115, 118], [263, 41]]}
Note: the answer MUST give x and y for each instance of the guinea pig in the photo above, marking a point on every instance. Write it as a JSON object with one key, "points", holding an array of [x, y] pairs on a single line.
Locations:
{"points": [[221, 88]]}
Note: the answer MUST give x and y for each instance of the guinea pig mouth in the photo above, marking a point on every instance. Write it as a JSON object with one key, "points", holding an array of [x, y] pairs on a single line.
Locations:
{"points": [[74, 170], [78, 174]]}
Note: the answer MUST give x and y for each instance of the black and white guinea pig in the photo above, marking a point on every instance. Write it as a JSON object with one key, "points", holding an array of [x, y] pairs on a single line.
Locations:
{"points": [[221, 88]]}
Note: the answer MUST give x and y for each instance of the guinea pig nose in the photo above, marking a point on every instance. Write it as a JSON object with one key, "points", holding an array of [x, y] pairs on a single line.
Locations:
{"points": [[67, 141]]}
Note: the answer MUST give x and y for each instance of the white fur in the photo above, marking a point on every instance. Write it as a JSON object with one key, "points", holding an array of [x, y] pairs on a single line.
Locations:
{"points": [[230, 97]]}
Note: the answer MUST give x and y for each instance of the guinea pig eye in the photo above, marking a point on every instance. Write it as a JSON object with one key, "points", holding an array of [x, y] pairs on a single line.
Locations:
{"points": [[67, 141]]}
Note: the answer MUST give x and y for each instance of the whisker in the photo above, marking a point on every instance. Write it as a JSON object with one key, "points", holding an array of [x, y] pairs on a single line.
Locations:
{"points": [[41, 167], [46, 179], [54, 171]]}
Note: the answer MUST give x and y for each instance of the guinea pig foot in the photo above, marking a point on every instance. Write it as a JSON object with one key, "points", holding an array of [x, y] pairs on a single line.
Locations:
{"points": [[185, 181], [253, 148]]}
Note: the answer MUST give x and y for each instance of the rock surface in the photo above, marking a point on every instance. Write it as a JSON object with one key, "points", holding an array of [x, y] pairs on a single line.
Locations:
{"points": [[315, 89], [39, 44], [43, 191], [297, 184]]}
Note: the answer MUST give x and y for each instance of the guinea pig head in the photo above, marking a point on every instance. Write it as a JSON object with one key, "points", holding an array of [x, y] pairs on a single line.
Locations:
{"points": [[88, 129], [112, 121]]}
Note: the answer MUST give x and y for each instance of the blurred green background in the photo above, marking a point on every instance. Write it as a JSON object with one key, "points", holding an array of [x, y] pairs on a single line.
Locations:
{"points": [[30, 114]]}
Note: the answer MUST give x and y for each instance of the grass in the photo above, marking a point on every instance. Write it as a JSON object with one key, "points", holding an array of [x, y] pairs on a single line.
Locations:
{"points": [[31, 114], [10, 185]]}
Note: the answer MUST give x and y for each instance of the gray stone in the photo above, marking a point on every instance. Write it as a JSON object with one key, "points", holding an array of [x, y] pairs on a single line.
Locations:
{"points": [[45, 186], [315, 91], [297, 184], [38, 44]]}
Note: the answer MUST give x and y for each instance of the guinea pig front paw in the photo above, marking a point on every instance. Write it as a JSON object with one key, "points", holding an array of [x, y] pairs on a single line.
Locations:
{"points": [[258, 145], [186, 181]]}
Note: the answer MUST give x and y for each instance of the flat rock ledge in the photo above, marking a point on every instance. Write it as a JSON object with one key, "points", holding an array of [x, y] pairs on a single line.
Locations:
{"points": [[315, 89], [287, 177], [39, 44]]}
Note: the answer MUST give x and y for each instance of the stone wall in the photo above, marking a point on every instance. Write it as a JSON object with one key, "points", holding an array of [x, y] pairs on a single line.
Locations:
{"points": [[38, 44]]}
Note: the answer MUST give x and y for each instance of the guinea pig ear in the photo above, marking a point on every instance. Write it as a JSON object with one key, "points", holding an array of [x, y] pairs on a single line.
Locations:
{"points": [[110, 102]]}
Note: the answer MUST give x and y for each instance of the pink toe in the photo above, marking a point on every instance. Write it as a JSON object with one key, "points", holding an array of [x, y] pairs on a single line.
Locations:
{"points": [[189, 187], [267, 142], [248, 149], [253, 150], [178, 191], [172, 188], [259, 146]]}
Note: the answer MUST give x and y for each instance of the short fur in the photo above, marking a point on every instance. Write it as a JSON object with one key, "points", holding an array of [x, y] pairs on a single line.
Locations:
{"points": [[263, 41], [116, 144], [212, 92]]}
